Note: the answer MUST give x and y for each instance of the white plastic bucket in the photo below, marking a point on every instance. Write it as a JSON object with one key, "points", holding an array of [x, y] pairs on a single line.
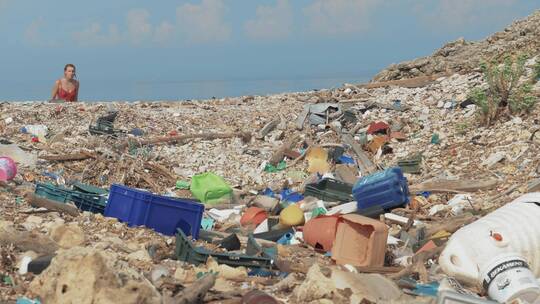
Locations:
{"points": [[507, 277], [513, 228]]}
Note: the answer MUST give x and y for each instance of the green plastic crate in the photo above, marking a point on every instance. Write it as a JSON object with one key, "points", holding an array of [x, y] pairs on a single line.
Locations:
{"points": [[411, 165], [86, 201], [330, 190], [185, 251]]}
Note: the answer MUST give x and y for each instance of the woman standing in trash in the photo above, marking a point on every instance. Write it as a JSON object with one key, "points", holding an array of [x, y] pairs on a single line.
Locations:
{"points": [[67, 87]]}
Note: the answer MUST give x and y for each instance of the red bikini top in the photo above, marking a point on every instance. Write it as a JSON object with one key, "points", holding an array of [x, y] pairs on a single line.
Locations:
{"points": [[66, 95]]}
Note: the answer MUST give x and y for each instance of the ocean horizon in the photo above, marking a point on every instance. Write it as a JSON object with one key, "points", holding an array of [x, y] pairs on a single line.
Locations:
{"points": [[130, 91]]}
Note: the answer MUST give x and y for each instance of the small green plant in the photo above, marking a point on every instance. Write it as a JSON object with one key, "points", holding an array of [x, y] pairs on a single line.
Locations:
{"points": [[536, 71], [504, 90], [462, 128]]}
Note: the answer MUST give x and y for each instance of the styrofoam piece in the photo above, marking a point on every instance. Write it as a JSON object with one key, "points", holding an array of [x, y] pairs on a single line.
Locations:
{"points": [[460, 202], [298, 236], [222, 215], [392, 240], [512, 228], [263, 227], [343, 208]]}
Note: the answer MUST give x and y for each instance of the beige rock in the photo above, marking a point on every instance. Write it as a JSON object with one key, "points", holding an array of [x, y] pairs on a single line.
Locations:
{"points": [[90, 276], [185, 275], [32, 222], [140, 255], [67, 236], [371, 287], [225, 271], [316, 286], [6, 226]]}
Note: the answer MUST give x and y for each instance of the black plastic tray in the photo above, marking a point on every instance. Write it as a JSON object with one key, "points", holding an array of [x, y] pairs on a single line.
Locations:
{"points": [[330, 190]]}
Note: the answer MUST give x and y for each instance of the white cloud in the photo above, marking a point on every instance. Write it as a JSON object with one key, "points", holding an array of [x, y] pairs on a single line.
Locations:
{"points": [[33, 36], [272, 22], [333, 17], [138, 27], [203, 22], [459, 14], [195, 23], [93, 35], [164, 32]]}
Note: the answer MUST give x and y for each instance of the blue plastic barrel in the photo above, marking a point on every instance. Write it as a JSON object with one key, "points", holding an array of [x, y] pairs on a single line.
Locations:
{"points": [[381, 191]]}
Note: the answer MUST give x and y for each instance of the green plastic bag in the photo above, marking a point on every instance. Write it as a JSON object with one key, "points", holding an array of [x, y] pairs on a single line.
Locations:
{"points": [[279, 167], [180, 184], [210, 188]]}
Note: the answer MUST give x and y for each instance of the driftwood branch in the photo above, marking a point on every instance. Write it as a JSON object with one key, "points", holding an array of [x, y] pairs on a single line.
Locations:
{"points": [[455, 185], [280, 152], [405, 83], [69, 157], [364, 163], [25, 241], [246, 136], [40, 202], [268, 128], [195, 292]]}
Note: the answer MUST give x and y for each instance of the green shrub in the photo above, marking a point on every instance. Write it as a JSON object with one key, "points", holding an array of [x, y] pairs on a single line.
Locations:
{"points": [[503, 89], [536, 74]]}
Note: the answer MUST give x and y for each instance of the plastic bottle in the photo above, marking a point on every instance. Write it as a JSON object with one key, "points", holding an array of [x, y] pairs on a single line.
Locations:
{"points": [[39, 131], [513, 228]]}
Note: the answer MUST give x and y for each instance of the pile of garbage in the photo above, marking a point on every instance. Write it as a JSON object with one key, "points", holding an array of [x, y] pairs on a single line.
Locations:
{"points": [[461, 56], [371, 193]]}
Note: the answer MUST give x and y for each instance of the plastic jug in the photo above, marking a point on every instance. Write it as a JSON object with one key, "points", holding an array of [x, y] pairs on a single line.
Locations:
{"points": [[381, 191], [210, 188], [513, 228]]}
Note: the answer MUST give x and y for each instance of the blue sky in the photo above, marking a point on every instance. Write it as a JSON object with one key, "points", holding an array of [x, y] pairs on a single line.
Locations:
{"points": [[169, 41]]}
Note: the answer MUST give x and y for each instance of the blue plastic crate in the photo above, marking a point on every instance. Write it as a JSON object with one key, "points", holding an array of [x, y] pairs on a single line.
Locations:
{"points": [[161, 213], [381, 191]]}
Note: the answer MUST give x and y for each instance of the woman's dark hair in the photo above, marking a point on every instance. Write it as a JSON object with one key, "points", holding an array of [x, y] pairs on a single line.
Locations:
{"points": [[69, 65]]}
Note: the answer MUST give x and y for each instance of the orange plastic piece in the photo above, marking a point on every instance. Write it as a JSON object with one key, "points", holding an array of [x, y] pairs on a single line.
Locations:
{"points": [[320, 232], [253, 216], [427, 246], [377, 142], [360, 241]]}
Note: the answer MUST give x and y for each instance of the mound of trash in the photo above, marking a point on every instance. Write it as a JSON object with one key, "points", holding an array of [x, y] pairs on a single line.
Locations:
{"points": [[460, 56]]}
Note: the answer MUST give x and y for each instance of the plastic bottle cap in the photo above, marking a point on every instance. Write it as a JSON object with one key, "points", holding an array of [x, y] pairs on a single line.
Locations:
{"points": [[497, 237]]}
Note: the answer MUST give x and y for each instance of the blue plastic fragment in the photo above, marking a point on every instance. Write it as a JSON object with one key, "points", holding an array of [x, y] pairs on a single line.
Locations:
{"points": [[136, 132], [425, 194], [269, 192], [207, 223], [430, 289], [287, 195], [285, 239], [25, 300], [344, 159]]}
